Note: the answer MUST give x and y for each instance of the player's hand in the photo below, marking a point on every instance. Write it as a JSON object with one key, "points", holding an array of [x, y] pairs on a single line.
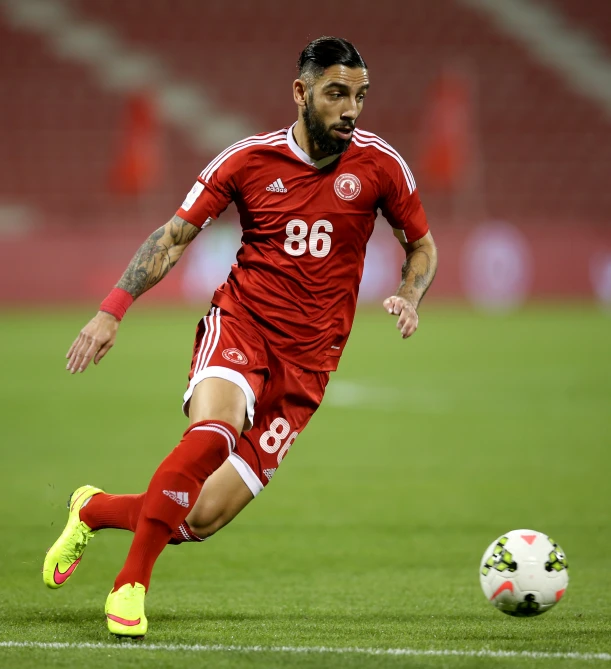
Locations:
{"points": [[408, 317], [93, 343]]}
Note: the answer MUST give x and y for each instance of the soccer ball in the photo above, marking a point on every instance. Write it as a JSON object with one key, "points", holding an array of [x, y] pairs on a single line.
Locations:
{"points": [[524, 573]]}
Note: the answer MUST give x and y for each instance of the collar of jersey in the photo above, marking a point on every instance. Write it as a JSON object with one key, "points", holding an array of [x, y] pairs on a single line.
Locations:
{"points": [[303, 156]]}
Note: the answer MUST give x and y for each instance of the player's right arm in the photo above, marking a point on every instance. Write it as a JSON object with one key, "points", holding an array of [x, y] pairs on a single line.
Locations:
{"points": [[152, 261], [214, 189]]}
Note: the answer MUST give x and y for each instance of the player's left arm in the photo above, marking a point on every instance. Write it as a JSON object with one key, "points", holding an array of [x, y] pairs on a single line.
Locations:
{"points": [[417, 275]]}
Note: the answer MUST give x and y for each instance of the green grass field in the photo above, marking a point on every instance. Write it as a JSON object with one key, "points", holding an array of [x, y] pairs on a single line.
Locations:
{"points": [[370, 535]]}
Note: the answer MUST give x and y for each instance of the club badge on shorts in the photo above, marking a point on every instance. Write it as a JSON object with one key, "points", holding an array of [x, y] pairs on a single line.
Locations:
{"points": [[235, 355], [347, 186]]}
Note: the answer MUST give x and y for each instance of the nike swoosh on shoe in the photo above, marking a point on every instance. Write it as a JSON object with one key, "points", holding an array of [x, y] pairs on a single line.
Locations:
{"points": [[123, 621], [61, 577]]}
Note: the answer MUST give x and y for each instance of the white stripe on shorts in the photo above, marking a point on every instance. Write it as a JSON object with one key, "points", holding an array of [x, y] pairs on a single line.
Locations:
{"points": [[229, 375], [206, 339], [246, 474], [217, 335]]}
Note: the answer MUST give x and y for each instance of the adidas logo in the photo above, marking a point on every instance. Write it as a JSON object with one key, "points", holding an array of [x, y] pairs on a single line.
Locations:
{"points": [[277, 187], [269, 473], [181, 498]]}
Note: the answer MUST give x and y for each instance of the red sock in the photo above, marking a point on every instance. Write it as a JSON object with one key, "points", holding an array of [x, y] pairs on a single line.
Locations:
{"points": [[174, 488], [121, 512]]}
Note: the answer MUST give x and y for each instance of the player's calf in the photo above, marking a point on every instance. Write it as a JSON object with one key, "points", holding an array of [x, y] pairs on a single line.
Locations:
{"points": [[172, 492], [223, 496]]}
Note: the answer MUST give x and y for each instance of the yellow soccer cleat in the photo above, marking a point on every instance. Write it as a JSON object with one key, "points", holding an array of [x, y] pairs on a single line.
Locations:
{"points": [[66, 553], [125, 611]]}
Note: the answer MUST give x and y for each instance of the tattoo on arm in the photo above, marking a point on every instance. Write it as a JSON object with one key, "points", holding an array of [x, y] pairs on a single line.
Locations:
{"points": [[418, 271], [156, 257]]}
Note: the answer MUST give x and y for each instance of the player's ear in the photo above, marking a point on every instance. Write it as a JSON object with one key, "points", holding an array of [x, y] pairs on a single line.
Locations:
{"points": [[299, 92]]}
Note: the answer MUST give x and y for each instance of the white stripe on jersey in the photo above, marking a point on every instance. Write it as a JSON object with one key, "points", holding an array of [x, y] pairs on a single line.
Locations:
{"points": [[253, 138], [406, 174], [277, 142], [242, 144], [371, 135], [363, 139]]}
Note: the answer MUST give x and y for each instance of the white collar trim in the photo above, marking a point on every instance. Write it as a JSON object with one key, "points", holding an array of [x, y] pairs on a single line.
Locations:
{"points": [[303, 156]]}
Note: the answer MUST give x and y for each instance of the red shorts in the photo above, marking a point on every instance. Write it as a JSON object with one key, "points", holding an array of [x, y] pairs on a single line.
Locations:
{"points": [[280, 398]]}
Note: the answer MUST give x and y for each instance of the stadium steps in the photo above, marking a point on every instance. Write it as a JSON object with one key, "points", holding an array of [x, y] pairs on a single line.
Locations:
{"points": [[541, 143], [545, 149], [592, 18], [70, 80]]}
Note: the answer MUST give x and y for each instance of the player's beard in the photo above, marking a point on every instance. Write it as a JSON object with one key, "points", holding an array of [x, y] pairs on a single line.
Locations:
{"points": [[321, 135]]}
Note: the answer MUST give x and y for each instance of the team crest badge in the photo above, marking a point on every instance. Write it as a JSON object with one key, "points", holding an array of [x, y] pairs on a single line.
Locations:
{"points": [[347, 186], [235, 355]]}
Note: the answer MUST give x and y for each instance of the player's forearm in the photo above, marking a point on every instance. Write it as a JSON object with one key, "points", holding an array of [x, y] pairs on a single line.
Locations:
{"points": [[418, 271], [156, 257]]}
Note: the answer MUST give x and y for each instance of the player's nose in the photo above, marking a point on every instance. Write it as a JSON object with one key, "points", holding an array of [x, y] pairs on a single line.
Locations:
{"points": [[351, 110]]}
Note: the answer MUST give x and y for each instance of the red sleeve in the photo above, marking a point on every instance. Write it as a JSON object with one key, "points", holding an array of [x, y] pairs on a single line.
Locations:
{"points": [[400, 204], [214, 189]]}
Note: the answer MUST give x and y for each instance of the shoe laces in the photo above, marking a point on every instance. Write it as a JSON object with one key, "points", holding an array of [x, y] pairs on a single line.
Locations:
{"points": [[83, 536]]}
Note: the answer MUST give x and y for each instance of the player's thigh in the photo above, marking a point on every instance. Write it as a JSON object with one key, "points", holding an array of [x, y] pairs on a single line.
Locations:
{"points": [[223, 496], [218, 399]]}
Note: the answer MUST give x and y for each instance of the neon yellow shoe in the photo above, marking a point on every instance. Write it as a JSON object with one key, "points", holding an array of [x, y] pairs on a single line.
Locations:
{"points": [[125, 611], [66, 553]]}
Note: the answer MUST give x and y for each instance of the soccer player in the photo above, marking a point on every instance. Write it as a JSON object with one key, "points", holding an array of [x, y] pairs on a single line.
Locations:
{"points": [[307, 196]]}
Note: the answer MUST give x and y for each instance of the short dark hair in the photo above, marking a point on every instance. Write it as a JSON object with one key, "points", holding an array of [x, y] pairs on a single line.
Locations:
{"points": [[325, 51]]}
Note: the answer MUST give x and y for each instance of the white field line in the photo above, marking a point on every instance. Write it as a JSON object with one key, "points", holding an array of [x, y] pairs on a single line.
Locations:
{"points": [[314, 650]]}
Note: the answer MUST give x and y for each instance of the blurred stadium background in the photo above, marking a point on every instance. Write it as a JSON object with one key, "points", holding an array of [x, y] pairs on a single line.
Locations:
{"points": [[423, 451], [111, 109]]}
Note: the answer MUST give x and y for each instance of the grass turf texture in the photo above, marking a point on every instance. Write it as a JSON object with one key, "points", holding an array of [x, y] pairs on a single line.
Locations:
{"points": [[370, 534]]}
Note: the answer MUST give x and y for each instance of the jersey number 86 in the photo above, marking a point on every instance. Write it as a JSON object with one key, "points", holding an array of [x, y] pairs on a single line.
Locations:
{"points": [[319, 242]]}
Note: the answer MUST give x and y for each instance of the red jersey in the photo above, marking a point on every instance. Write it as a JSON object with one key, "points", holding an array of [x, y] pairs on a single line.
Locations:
{"points": [[305, 226]]}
